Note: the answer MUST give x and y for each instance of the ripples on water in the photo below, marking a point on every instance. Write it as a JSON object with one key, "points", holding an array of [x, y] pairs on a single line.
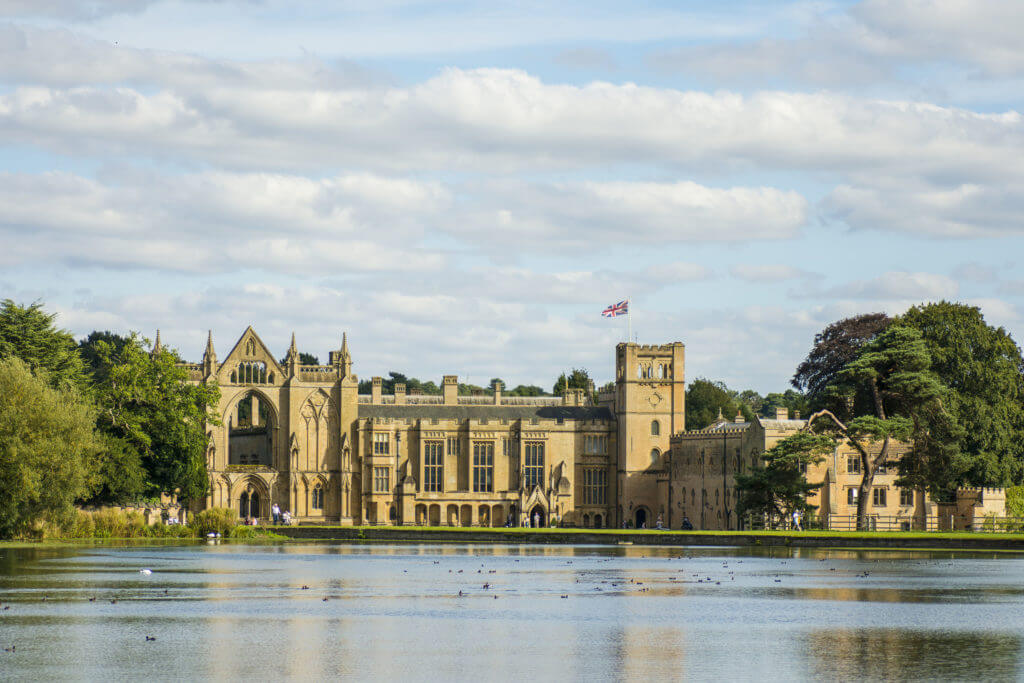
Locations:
{"points": [[241, 612]]}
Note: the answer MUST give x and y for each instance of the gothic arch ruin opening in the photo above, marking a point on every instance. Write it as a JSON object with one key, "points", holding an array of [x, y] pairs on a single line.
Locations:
{"points": [[251, 421]]}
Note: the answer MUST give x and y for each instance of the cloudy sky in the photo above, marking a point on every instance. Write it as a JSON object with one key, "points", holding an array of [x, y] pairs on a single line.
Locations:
{"points": [[463, 186]]}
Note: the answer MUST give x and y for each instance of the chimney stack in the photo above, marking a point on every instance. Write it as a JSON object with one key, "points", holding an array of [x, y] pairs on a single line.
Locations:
{"points": [[450, 389]]}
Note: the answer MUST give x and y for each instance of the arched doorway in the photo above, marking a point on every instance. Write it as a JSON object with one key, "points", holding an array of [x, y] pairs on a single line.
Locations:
{"points": [[537, 517], [641, 518], [249, 504]]}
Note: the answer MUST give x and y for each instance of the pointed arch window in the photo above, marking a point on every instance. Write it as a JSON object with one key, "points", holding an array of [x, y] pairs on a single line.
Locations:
{"points": [[655, 428], [318, 497]]}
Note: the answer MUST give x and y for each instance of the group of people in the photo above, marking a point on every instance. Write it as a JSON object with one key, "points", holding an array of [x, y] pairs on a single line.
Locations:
{"points": [[279, 517]]}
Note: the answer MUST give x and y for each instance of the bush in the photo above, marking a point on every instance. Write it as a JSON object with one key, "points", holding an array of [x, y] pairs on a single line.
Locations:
{"points": [[1015, 501], [214, 520]]}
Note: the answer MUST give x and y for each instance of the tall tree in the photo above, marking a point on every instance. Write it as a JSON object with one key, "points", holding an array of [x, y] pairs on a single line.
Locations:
{"points": [[780, 486], [304, 359], [87, 348], [47, 446], [835, 347], [904, 403], [526, 390], [982, 368], [29, 333], [705, 399], [792, 401], [146, 402], [578, 378]]}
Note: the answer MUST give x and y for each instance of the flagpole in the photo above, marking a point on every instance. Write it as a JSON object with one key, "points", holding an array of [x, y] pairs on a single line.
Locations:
{"points": [[629, 319]]}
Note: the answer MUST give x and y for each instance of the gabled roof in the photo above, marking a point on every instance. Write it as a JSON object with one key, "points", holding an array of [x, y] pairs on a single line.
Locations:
{"points": [[260, 352]]}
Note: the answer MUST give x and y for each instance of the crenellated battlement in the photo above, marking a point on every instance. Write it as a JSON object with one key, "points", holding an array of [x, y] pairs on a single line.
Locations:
{"points": [[651, 348]]}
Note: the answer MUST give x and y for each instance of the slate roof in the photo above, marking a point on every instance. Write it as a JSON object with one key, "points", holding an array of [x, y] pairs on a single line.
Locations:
{"points": [[484, 412]]}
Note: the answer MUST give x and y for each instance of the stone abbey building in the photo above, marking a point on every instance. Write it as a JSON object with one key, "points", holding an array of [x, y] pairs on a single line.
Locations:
{"points": [[303, 437]]}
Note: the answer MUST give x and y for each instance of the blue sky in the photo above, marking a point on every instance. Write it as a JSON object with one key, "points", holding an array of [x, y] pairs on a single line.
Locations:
{"points": [[464, 186]]}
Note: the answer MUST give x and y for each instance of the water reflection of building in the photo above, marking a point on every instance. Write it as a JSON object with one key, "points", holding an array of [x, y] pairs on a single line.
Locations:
{"points": [[303, 437], [902, 654]]}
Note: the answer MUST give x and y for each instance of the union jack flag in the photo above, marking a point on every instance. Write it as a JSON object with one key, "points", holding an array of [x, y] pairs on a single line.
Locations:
{"points": [[620, 308]]}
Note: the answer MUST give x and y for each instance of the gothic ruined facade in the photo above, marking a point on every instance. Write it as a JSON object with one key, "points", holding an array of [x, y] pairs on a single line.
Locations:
{"points": [[303, 437]]}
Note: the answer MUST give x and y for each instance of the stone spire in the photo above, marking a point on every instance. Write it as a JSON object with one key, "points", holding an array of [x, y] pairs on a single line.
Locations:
{"points": [[293, 359], [157, 347], [209, 356], [345, 357]]}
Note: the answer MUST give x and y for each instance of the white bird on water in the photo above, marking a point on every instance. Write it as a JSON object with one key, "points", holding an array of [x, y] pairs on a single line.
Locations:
{"points": [[147, 572]]}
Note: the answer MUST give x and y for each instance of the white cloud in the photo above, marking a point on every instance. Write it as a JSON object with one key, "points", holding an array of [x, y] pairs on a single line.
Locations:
{"points": [[71, 9], [961, 210], [505, 120], [876, 40], [216, 221], [590, 213], [772, 272], [895, 286], [64, 58]]}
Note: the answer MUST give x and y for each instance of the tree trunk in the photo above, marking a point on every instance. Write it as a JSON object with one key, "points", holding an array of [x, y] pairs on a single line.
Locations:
{"points": [[870, 466]]}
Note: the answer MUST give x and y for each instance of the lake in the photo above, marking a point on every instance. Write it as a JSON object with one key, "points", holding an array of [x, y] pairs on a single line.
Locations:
{"points": [[241, 612]]}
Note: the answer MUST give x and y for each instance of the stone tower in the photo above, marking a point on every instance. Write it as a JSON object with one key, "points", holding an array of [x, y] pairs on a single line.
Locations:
{"points": [[650, 405]]}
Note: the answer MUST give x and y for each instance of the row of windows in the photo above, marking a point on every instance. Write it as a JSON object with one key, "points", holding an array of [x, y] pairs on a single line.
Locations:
{"points": [[652, 371], [853, 466], [251, 372], [879, 496], [593, 444]]}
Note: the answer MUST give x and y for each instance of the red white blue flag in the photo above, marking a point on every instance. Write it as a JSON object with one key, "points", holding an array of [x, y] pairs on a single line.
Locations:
{"points": [[620, 308]]}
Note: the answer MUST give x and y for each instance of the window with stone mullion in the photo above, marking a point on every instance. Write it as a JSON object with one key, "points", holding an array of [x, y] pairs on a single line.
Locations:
{"points": [[483, 466], [533, 464]]}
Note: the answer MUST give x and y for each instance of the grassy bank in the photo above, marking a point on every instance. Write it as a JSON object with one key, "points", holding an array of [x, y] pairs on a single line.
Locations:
{"points": [[103, 525], [809, 539]]}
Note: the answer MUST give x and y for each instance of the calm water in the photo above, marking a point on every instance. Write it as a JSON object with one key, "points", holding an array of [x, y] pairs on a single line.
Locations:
{"points": [[240, 612]]}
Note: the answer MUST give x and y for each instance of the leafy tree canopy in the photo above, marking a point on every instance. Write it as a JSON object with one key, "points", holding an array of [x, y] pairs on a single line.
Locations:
{"points": [[87, 348], [304, 359], [779, 486], [577, 378], [148, 407], [982, 368], [704, 400], [47, 447], [835, 347], [28, 333], [792, 401], [888, 393]]}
